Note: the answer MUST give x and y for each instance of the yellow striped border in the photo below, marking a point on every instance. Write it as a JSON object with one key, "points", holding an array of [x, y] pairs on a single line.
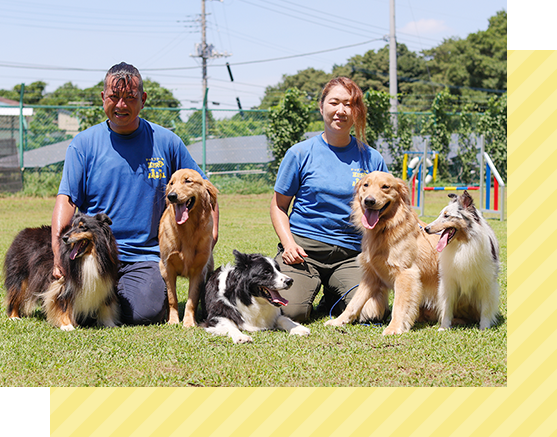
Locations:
{"points": [[525, 407]]}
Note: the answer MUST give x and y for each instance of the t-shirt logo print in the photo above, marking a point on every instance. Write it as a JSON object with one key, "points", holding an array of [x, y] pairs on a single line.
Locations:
{"points": [[357, 175], [156, 168]]}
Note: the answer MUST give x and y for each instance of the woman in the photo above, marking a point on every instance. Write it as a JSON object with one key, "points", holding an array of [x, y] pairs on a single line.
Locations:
{"points": [[318, 243]]}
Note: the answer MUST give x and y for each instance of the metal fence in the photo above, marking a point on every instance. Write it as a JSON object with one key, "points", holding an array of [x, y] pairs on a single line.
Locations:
{"points": [[227, 144]]}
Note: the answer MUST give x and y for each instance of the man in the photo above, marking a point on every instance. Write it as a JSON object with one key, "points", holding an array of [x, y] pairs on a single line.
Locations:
{"points": [[121, 167]]}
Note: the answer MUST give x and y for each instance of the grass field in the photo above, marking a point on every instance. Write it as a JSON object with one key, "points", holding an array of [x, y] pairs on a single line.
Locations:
{"points": [[32, 353]]}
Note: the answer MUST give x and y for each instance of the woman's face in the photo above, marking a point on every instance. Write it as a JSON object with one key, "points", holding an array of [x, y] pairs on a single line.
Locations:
{"points": [[336, 110]]}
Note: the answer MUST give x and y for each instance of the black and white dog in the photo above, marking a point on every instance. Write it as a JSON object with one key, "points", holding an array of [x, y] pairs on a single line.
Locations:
{"points": [[245, 297]]}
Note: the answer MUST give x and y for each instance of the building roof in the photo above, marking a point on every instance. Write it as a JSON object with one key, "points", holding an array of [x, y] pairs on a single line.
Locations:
{"points": [[10, 108], [235, 150], [42, 156]]}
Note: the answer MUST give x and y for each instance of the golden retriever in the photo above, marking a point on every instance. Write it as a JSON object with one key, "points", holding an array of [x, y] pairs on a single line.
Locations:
{"points": [[186, 238], [396, 254]]}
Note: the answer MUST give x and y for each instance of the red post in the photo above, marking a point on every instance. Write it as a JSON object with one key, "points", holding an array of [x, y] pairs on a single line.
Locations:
{"points": [[495, 194]]}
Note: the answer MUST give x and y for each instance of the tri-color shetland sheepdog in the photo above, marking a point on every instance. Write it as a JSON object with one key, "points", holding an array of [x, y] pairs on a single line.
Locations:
{"points": [[89, 257], [468, 265], [245, 297]]}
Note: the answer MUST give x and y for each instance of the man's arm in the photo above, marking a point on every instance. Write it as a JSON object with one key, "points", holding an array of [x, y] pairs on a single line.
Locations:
{"points": [[62, 215], [215, 214]]}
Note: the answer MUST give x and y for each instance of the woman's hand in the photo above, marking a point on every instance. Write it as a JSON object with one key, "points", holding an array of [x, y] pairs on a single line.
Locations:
{"points": [[293, 254]]}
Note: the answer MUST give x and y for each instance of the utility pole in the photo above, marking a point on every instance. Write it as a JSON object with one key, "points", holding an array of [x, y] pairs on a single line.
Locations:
{"points": [[392, 67], [205, 51]]}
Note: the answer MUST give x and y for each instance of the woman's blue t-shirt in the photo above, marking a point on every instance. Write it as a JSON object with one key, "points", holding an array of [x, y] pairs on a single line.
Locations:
{"points": [[322, 178], [125, 177]]}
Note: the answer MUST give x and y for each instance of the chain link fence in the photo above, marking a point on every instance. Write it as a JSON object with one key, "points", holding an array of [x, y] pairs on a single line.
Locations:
{"points": [[231, 146]]}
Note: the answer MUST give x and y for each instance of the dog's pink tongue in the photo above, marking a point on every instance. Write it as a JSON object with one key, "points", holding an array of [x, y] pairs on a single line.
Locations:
{"points": [[443, 241], [370, 218], [277, 298], [75, 249], [182, 213]]}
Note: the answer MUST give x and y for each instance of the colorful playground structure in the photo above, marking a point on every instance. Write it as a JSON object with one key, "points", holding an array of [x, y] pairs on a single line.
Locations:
{"points": [[421, 170]]}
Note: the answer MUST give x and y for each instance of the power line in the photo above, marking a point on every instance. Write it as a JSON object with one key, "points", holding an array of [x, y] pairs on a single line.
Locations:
{"points": [[50, 67]]}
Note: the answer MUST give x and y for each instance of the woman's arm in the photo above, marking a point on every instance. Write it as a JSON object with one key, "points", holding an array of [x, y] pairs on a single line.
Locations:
{"points": [[293, 253]]}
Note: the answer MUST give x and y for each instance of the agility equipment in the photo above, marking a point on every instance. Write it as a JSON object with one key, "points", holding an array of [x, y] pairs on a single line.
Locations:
{"points": [[421, 170]]}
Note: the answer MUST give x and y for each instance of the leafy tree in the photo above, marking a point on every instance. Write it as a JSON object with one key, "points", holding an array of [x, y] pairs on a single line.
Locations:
{"points": [[371, 72], [194, 124], [246, 124], [67, 94], [474, 65], [32, 93], [378, 122], [287, 124], [309, 81], [439, 128], [493, 124], [466, 162]]}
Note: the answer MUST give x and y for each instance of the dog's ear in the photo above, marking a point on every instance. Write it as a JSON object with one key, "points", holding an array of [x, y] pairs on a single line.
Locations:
{"points": [[213, 192], [466, 200], [453, 197], [242, 259], [404, 191], [103, 218]]}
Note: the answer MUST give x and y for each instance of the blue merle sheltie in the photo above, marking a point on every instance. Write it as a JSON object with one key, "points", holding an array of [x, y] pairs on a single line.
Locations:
{"points": [[246, 297], [89, 258], [468, 264]]}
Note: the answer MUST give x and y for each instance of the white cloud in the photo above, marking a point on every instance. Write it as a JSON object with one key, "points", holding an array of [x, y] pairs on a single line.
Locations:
{"points": [[425, 27]]}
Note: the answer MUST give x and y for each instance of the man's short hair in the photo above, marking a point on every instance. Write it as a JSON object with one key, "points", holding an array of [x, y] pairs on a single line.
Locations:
{"points": [[124, 72]]}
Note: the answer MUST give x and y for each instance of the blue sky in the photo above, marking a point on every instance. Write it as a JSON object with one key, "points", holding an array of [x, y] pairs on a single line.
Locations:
{"points": [[67, 41]]}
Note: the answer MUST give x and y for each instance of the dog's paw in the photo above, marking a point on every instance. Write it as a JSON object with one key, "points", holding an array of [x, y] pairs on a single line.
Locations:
{"points": [[300, 330], [189, 323], [334, 322], [393, 331], [242, 338], [67, 328]]}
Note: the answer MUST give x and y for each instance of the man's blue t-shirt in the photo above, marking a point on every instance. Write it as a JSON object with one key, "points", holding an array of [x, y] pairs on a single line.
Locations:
{"points": [[322, 179], [125, 177]]}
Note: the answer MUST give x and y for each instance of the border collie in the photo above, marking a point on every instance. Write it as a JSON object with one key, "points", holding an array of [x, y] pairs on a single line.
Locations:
{"points": [[245, 297], [89, 256], [468, 265]]}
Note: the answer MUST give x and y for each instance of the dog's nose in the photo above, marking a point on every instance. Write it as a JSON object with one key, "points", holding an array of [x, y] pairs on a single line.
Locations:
{"points": [[369, 201], [288, 282], [65, 239], [172, 197], [427, 229]]}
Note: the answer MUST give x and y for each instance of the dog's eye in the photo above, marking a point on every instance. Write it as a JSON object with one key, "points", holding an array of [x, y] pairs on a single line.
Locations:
{"points": [[187, 181], [385, 187], [366, 185]]}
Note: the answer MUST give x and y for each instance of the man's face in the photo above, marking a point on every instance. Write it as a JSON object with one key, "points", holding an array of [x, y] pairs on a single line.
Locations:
{"points": [[122, 104]]}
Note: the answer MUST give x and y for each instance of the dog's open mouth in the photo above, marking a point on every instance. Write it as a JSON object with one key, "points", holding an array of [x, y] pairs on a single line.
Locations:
{"points": [[446, 237], [274, 297], [183, 210], [79, 248], [371, 216]]}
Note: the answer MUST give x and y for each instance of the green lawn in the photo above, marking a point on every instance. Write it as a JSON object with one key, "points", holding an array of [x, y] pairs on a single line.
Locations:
{"points": [[32, 353]]}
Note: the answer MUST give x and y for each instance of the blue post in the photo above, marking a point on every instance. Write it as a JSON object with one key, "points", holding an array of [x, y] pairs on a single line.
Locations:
{"points": [[487, 186], [419, 184]]}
